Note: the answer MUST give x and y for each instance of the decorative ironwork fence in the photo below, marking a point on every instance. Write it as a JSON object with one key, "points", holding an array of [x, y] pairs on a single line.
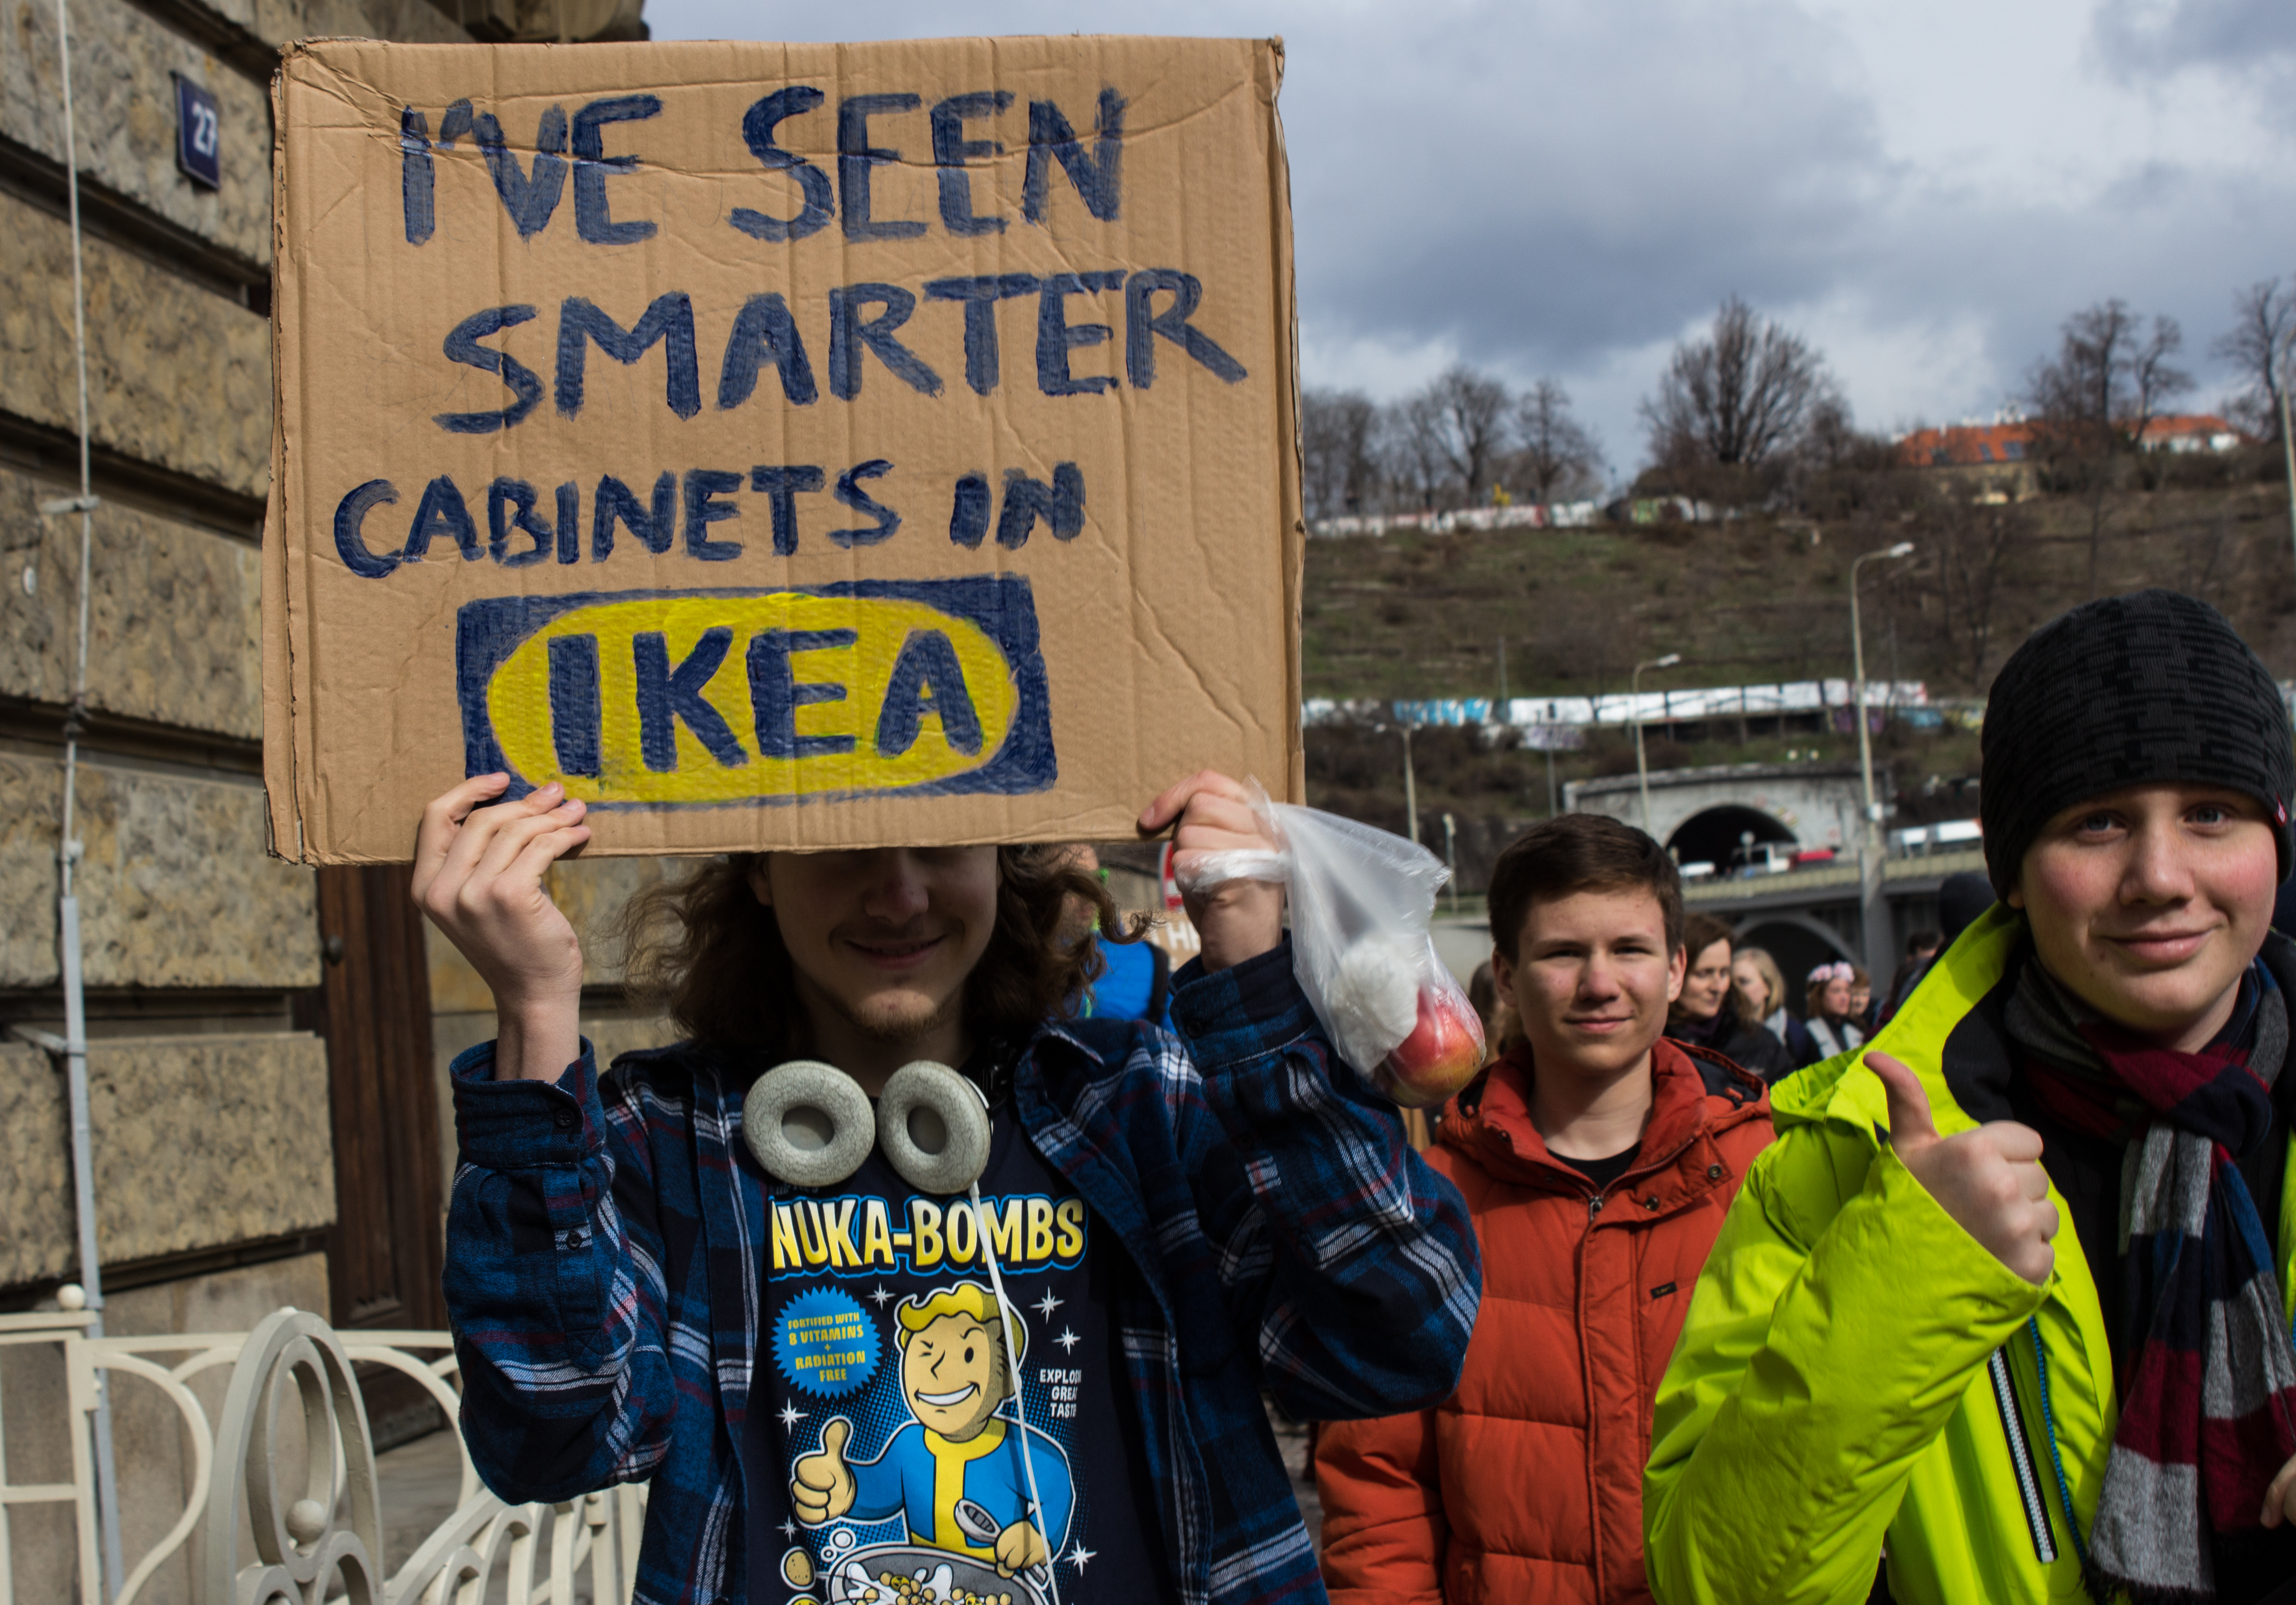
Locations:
{"points": [[287, 1469]]}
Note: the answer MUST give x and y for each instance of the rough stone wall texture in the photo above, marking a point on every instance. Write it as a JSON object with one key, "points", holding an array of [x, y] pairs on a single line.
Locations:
{"points": [[124, 111], [175, 886], [176, 375], [408, 21], [174, 615], [263, 1164], [35, 1196]]}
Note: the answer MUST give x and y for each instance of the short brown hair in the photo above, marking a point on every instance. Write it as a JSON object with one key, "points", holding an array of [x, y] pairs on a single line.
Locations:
{"points": [[1574, 853], [1701, 930], [708, 951]]}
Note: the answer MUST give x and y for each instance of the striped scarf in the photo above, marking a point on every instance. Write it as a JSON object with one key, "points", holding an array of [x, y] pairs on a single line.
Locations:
{"points": [[2207, 1412]]}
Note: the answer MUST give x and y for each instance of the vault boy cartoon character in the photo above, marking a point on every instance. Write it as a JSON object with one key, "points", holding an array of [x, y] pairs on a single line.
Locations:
{"points": [[957, 1448]]}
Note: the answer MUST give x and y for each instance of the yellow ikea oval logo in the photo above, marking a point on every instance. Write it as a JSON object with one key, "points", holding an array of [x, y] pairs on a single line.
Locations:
{"points": [[658, 699]]}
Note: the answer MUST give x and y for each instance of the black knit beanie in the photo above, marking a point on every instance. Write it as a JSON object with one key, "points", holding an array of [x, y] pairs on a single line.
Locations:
{"points": [[2121, 692]]}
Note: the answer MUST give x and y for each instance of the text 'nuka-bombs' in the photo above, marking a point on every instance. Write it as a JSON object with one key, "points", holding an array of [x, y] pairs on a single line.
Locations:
{"points": [[780, 446]]}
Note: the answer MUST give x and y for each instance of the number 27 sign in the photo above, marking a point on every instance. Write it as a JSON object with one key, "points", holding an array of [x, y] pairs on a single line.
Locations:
{"points": [[199, 148]]}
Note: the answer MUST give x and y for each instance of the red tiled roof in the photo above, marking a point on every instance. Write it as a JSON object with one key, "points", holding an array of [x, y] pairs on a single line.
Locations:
{"points": [[2174, 425], [1965, 446]]}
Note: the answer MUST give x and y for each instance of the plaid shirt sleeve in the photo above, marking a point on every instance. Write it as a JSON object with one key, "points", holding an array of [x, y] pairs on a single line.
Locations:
{"points": [[1349, 1261], [554, 1282]]}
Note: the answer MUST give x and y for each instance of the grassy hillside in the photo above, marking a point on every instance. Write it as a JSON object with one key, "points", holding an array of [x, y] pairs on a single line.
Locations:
{"points": [[1755, 600]]}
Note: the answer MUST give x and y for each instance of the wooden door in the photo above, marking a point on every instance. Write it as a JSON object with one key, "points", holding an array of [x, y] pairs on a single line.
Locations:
{"points": [[388, 1248]]}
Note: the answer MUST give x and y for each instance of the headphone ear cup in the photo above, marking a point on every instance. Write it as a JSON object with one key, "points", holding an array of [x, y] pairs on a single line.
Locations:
{"points": [[932, 1126], [808, 1123]]}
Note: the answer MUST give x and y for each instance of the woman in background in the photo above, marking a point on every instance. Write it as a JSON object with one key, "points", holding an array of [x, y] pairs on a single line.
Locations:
{"points": [[1706, 1013], [1761, 989], [1833, 1027]]}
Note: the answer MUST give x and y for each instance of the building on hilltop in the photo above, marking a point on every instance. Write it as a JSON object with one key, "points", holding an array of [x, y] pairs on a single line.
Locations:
{"points": [[1967, 445], [263, 1066], [1991, 460], [2191, 432]]}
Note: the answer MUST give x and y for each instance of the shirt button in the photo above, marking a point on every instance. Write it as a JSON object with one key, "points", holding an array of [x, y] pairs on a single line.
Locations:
{"points": [[564, 1119], [1650, 1202], [1714, 1173]]}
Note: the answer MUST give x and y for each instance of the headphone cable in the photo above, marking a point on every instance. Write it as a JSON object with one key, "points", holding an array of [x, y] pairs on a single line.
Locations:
{"points": [[1020, 1413]]}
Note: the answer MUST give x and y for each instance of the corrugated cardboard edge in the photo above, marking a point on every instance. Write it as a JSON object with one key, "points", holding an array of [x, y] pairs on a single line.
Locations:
{"points": [[283, 820], [291, 774], [1293, 508], [290, 771]]}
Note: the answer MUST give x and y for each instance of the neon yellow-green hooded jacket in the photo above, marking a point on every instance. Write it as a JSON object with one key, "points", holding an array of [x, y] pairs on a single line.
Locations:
{"points": [[1857, 1371]]}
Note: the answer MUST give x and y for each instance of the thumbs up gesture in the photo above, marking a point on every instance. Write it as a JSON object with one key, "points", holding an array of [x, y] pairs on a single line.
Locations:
{"points": [[822, 1490], [1989, 1179]]}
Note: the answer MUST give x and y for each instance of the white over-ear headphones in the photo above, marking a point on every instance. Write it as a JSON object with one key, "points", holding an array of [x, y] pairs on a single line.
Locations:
{"points": [[809, 1125]]}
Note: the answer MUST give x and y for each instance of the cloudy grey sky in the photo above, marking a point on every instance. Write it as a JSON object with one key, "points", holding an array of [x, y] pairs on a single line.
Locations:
{"points": [[1566, 187]]}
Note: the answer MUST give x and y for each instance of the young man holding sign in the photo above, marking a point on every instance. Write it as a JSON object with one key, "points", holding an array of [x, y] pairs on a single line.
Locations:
{"points": [[2009, 1296], [1046, 1386]]}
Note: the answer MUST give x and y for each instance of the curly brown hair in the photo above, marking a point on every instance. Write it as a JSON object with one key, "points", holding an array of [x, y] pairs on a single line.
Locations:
{"points": [[706, 950]]}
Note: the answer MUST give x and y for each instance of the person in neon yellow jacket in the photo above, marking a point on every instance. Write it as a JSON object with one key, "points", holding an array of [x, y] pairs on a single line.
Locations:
{"points": [[1918, 1329]]}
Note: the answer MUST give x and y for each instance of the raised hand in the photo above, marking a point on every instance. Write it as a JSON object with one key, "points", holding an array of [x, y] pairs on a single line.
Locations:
{"points": [[1238, 920], [1989, 1179], [821, 1484], [478, 875], [1020, 1547]]}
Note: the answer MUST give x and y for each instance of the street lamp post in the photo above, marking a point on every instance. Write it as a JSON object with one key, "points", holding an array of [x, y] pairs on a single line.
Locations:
{"points": [[1873, 908], [1634, 700], [2287, 443], [1410, 789]]}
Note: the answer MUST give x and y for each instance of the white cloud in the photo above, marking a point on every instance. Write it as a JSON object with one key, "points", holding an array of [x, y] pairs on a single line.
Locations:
{"points": [[1566, 186]]}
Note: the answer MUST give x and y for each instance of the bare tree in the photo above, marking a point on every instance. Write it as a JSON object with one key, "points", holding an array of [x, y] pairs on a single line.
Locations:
{"points": [[1555, 451], [1460, 420], [1410, 464], [1336, 429], [2093, 402], [1972, 544], [1740, 397], [2263, 316]]}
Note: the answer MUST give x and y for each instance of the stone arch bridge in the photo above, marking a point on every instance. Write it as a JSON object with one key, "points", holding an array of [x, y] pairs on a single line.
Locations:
{"points": [[1804, 917], [1706, 815]]}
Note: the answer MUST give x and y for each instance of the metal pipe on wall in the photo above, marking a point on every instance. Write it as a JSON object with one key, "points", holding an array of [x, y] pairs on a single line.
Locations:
{"points": [[67, 853]]}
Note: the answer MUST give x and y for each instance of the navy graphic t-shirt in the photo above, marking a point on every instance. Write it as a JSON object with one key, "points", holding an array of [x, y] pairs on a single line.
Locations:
{"points": [[882, 1409]]}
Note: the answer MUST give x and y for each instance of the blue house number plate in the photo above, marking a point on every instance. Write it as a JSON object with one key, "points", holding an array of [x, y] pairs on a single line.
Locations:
{"points": [[198, 130]]}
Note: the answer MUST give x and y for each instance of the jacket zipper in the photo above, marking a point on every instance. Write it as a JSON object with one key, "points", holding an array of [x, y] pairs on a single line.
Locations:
{"points": [[2020, 1456]]}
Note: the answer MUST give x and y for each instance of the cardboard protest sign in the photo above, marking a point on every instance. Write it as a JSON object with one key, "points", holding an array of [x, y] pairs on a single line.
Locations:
{"points": [[782, 446]]}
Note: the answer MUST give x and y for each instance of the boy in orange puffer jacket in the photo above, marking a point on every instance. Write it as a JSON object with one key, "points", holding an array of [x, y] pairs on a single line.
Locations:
{"points": [[1597, 1160]]}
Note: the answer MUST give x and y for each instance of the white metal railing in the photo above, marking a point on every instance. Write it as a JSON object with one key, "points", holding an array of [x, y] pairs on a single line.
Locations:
{"points": [[288, 1465]]}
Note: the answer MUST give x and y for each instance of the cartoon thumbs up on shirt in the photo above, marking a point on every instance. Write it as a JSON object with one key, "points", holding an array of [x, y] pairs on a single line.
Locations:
{"points": [[822, 1490]]}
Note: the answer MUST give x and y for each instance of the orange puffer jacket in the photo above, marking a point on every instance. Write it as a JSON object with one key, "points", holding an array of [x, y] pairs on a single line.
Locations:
{"points": [[1527, 1483]]}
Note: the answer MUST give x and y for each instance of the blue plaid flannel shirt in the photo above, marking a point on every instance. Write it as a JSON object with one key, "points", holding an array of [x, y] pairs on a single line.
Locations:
{"points": [[606, 1245]]}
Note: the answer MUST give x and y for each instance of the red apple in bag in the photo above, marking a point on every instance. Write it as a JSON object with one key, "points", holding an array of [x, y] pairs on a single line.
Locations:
{"points": [[1442, 1053]]}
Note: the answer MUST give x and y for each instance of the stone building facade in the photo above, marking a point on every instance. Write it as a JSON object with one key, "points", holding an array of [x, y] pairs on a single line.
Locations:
{"points": [[265, 1080]]}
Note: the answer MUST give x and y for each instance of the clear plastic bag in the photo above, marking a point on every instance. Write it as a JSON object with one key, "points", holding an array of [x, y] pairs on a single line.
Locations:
{"points": [[1361, 901]]}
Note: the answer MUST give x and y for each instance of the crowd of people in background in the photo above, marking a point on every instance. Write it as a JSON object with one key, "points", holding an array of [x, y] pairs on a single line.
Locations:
{"points": [[1973, 1288]]}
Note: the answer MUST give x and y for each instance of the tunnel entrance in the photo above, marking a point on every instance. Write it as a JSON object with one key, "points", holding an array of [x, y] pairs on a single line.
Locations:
{"points": [[1719, 836]]}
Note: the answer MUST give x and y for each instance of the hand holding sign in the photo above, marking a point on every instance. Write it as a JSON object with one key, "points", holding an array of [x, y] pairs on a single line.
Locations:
{"points": [[478, 875], [1989, 1179], [822, 1486], [1238, 920]]}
